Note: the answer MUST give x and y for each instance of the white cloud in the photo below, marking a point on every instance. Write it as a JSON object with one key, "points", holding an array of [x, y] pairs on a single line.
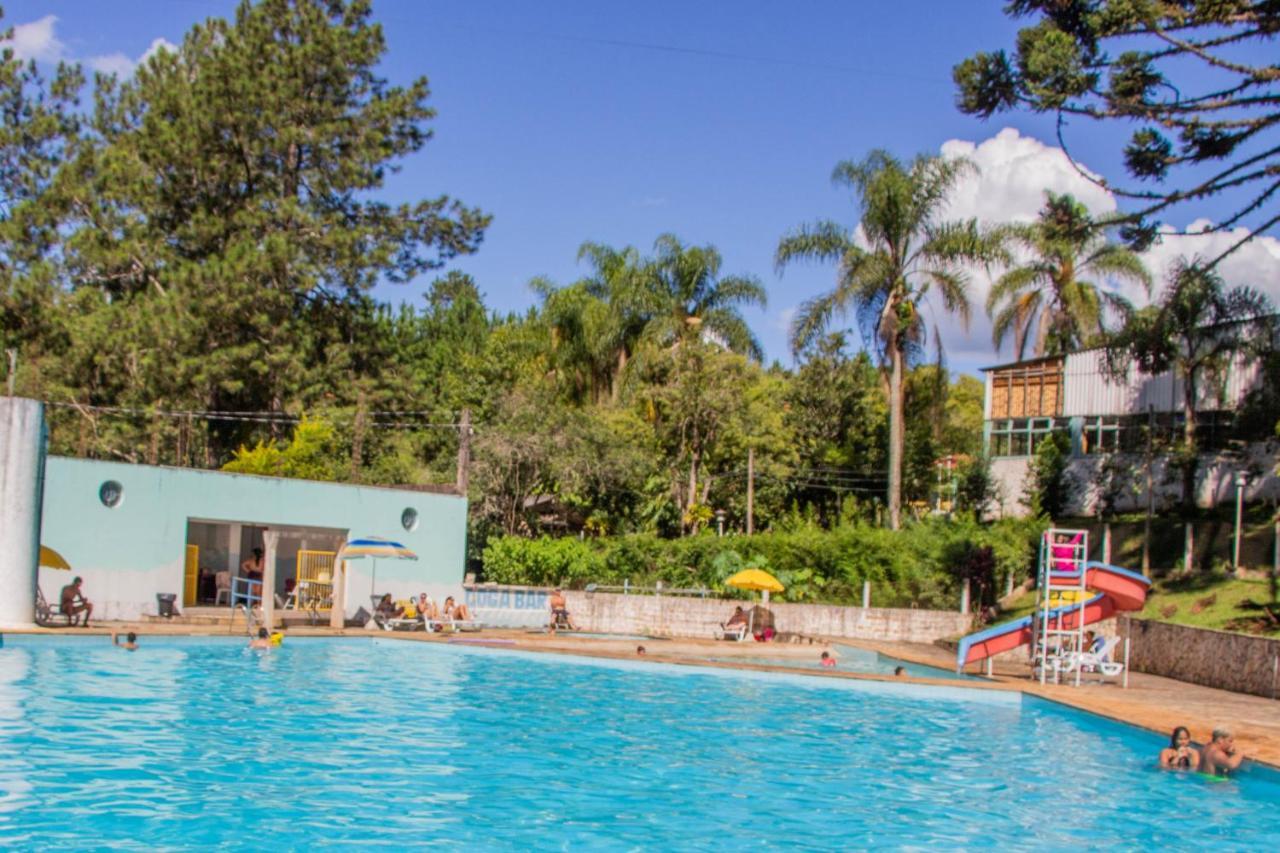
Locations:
{"points": [[1256, 264], [1014, 173], [111, 63], [37, 40], [157, 45]]}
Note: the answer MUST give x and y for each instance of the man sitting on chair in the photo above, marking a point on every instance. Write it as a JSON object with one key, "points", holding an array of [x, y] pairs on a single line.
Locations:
{"points": [[559, 612], [73, 603]]}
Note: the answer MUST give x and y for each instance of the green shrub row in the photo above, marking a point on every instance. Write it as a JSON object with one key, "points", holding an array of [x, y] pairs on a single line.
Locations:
{"points": [[920, 565]]}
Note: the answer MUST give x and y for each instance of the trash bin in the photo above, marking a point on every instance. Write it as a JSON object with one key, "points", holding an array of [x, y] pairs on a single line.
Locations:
{"points": [[165, 602]]}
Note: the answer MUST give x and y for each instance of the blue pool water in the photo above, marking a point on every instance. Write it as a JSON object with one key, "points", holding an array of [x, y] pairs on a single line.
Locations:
{"points": [[342, 743]]}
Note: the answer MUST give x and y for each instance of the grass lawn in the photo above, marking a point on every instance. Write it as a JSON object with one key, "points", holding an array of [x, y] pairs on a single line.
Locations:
{"points": [[1204, 600]]}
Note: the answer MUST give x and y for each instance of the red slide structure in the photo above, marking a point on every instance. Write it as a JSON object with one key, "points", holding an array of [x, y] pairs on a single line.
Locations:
{"points": [[1116, 590]]}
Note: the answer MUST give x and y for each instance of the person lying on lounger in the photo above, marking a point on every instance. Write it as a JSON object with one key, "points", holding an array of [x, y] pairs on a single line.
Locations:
{"points": [[739, 617], [457, 612], [387, 608], [427, 610]]}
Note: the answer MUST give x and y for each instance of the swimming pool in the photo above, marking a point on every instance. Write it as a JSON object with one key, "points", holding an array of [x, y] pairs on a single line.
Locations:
{"points": [[196, 742]]}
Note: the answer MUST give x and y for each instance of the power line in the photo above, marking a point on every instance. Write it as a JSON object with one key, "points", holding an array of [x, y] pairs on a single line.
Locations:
{"points": [[257, 417]]}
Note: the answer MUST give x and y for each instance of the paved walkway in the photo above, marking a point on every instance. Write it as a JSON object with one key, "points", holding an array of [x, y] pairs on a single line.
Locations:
{"points": [[1150, 702]]}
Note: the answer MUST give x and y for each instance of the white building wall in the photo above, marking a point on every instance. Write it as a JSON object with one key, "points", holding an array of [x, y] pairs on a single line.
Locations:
{"points": [[1087, 390]]}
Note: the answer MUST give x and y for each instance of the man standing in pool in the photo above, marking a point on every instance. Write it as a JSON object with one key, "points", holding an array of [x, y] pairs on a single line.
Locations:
{"points": [[559, 612], [1220, 757], [130, 643]]}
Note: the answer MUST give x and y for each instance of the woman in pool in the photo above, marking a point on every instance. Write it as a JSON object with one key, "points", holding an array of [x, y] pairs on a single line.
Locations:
{"points": [[1180, 754]]}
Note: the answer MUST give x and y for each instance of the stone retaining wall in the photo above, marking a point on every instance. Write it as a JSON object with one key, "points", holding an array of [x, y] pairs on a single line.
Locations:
{"points": [[700, 617], [1236, 662]]}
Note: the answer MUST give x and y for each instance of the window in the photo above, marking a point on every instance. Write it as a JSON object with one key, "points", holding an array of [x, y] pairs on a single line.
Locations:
{"points": [[1022, 436]]}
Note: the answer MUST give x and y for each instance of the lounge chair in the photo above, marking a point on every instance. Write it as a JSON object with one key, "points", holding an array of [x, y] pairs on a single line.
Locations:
{"points": [[737, 632], [393, 623], [48, 614], [1098, 662]]}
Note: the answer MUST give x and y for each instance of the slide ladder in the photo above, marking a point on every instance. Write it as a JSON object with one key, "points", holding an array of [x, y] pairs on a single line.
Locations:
{"points": [[1059, 626]]}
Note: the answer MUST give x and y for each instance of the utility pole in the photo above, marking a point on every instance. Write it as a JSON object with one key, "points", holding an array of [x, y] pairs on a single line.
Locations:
{"points": [[1235, 548], [1146, 526], [464, 453], [357, 440], [751, 490]]}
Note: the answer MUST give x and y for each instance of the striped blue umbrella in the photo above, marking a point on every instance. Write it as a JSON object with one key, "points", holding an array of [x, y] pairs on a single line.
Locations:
{"points": [[375, 548]]}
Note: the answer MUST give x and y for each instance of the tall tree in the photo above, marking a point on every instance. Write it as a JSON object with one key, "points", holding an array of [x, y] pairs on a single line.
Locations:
{"points": [[686, 297], [1192, 75], [1193, 331], [40, 126], [1050, 295], [904, 250], [231, 192]]}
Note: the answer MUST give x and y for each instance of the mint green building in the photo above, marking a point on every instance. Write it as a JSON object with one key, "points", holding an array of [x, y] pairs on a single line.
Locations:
{"points": [[135, 531]]}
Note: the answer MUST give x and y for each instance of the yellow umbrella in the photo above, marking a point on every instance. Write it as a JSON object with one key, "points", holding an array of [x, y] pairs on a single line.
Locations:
{"points": [[756, 579], [51, 559]]}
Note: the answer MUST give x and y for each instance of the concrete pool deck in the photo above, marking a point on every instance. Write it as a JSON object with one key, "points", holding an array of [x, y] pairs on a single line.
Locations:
{"points": [[1150, 702]]}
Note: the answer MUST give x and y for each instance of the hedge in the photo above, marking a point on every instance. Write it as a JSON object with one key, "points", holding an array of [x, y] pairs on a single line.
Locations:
{"points": [[917, 565]]}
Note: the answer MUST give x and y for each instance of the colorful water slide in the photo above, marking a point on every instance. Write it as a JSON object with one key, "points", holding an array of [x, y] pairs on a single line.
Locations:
{"points": [[1115, 590]]}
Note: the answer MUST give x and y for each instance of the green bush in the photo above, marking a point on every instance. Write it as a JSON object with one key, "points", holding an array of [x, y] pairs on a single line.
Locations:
{"points": [[917, 566]]}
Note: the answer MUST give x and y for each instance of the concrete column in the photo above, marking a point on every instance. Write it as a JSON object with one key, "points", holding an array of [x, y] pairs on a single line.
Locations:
{"points": [[338, 613], [233, 549], [22, 448], [269, 540]]}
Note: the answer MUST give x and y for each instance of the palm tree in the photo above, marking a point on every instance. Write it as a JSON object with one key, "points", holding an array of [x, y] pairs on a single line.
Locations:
{"points": [[684, 295], [902, 251], [1050, 295], [1194, 330]]}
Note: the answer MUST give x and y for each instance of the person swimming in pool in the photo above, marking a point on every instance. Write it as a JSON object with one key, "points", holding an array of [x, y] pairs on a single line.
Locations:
{"points": [[827, 660], [1180, 754], [1220, 757], [130, 643], [262, 641]]}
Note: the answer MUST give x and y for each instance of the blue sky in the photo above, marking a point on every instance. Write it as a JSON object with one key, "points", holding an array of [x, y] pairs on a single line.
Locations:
{"points": [[720, 122]]}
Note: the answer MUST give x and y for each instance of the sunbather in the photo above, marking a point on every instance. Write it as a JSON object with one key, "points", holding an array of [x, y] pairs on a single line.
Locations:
{"points": [[1180, 754], [456, 612], [387, 608], [739, 617]]}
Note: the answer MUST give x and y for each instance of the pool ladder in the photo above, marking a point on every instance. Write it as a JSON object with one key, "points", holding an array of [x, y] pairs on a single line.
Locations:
{"points": [[252, 619]]}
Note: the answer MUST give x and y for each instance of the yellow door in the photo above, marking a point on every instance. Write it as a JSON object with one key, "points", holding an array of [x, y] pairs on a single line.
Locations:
{"points": [[191, 578]]}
